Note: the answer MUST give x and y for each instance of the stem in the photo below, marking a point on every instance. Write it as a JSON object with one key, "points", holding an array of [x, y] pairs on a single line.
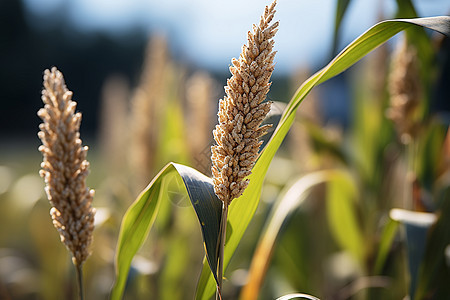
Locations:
{"points": [[410, 175], [223, 235], [79, 269]]}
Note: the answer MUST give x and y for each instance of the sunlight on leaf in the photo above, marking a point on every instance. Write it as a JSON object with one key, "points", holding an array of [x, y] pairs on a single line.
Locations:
{"points": [[341, 8], [292, 199], [295, 296], [416, 229], [387, 238], [140, 216], [242, 209]]}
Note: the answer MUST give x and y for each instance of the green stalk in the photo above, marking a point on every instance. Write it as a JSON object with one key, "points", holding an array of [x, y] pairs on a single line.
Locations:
{"points": [[410, 174], [223, 235], [79, 269]]}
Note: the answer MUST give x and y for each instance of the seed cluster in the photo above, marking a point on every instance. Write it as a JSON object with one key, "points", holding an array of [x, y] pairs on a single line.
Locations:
{"points": [[65, 167], [405, 91], [242, 110]]}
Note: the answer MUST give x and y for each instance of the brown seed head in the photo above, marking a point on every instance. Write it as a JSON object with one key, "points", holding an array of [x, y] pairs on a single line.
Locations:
{"points": [[146, 105], [405, 91], [242, 110], [65, 167]]}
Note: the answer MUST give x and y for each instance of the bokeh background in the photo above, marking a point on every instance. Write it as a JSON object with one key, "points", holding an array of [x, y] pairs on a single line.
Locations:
{"points": [[90, 40]]}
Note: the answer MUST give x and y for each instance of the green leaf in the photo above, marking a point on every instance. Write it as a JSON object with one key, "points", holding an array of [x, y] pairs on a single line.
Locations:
{"points": [[283, 209], [371, 132], [341, 8], [387, 237], [134, 229], [342, 217], [416, 228], [172, 143], [405, 9], [429, 154], [296, 296], [141, 215], [434, 273], [207, 207], [242, 209], [323, 143]]}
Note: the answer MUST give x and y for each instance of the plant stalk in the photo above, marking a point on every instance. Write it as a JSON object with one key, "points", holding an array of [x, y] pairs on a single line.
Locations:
{"points": [[223, 235], [410, 176], [79, 269]]}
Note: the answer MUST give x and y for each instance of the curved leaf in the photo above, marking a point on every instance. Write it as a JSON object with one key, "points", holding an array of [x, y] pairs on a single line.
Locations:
{"points": [[387, 238], [341, 8], [434, 271], [292, 199], [295, 296], [141, 215], [342, 218], [416, 228], [207, 207], [242, 210]]}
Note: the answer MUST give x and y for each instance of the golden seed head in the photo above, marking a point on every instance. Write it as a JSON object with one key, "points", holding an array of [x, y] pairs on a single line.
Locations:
{"points": [[242, 110], [200, 88], [405, 91], [65, 167], [146, 105]]}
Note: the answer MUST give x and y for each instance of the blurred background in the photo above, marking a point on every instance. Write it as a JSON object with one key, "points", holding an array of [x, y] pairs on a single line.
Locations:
{"points": [[90, 40], [147, 76]]}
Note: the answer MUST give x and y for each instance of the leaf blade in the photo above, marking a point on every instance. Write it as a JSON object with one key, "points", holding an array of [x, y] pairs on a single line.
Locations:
{"points": [[283, 209], [341, 215], [209, 213], [135, 226], [341, 8], [141, 215]]}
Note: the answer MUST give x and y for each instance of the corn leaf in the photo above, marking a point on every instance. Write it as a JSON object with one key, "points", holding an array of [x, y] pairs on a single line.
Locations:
{"points": [[283, 209], [434, 271], [341, 8], [297, 296], [141, 215], [416, 229], [242, 210], [342, 217], [387, 238]]}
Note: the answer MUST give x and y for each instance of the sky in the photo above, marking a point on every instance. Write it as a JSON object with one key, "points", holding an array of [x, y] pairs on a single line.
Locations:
{"points": [[210, 32]]}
